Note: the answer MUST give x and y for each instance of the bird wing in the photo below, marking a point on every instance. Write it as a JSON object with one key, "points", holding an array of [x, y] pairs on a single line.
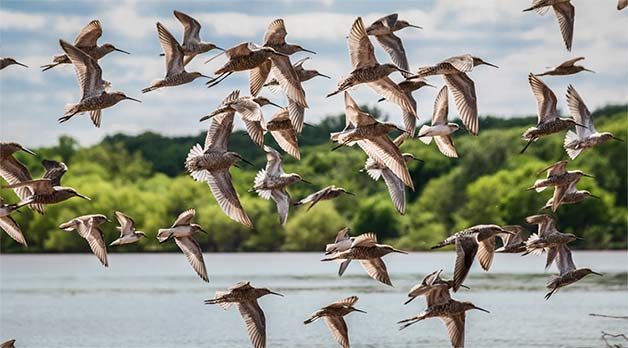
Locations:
{"points": [[455, 329], [382, 150], [463, 63], [387, 21], [441, 107], [274, 161], [360, 47], [255, 322], [564, 262], [258, 76], [172, 51], [545, 99], [355, 116], [365, 240], [275, 33], [566, 15], [89, 35], [192, 250], [286, 138], [570, 62], [240, 50], [338, 329], [376, 269], [388, 89], [282, 200], [342, 235], [463, 90], [127, 225], [486, 250], [512, 239], [580, 113], [88, 71], [39, 186], [547, 224], [466, 248], [185, 218], [217, 137], [314, 196], [12, 229], [93, 234], [395, 189], [296, 113], [241, 286], [288, 79], [438, 295], [15, 172], [446, 145], [219, 182], [191, 28], [559, 194], [255, 131], [54, 171], [345, 302], [394, 47], [409, 120], [558, 168]]}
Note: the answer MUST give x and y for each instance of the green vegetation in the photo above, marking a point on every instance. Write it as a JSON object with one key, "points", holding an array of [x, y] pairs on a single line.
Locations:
{"points": [[143, 177]]}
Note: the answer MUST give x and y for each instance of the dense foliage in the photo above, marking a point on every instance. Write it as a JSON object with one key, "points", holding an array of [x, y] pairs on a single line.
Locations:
{"points": [[143, 177]]}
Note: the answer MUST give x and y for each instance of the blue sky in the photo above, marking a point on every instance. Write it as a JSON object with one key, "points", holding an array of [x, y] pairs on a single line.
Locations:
{"points": [[495, 30]]}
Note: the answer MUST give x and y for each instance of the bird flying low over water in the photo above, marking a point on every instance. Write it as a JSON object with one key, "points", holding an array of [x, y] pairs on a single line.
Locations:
{"points": [[565, 13], [547, 239], [567, 67], [4, 62], [512, 243], [14, 172], [333, 315], [571, 195], [8, 224], [86, 41], [327, 193], [245, 297], [560, 179], [87, 227], [95, 90], [282, 130], [128, 234], [342, 242], [182, 231], [175, 69], [569, 274], [434, 288], [440, 130], [192, 44]]}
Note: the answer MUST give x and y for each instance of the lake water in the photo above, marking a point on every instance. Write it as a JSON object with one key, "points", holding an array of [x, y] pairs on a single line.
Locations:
{"points": [[156, 300]]}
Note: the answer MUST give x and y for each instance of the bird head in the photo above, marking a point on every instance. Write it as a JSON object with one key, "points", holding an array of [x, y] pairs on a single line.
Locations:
{"points": [[400, 24], [570, 237], [453, 126], [342, 189], [587, 271], [479, 61], [469, 305], [140, 233], [121, 96], [581, 173], [110, 48], [609, 135], [13, 61], [100, 219], [261, 101], [390, 249], [206, 47], [390, 68], [197, 228], [75, 193], [197, 74], [7, 149]]}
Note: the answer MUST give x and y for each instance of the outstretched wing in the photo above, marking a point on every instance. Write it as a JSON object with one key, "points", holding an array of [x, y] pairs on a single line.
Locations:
{"points": [[89, 35], [255, 322]]}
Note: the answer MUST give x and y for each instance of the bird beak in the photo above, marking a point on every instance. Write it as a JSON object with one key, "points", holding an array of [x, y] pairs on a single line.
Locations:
{"points": [[247, 162], [599, 274], [306, 182], [493, 65], [482, 309], [589, 70], [427, 84], [29, 151], [202, 230], [580, 125], [273, 104], [618, 139], [588, 175], [464, 286], [381, 100], [308, 51], [404, 71], [84, 197], [119, 50], [207, 117], [24, 65], [323, 75], [596, 197], [350, 193], [359, 310], [400, 251], [414, 26], [219, 48], [133, 99], [214, 57], [275, 293]]}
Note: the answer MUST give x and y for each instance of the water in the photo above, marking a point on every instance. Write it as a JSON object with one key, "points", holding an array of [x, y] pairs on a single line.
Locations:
{"points": [[156, 300]]}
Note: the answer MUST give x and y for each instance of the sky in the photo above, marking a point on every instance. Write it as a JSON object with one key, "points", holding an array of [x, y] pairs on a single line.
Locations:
{"points": [[496, 30]]}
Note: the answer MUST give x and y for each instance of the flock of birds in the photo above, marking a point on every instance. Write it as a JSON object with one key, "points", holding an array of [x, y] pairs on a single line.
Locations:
{"points": [[211, 162]]}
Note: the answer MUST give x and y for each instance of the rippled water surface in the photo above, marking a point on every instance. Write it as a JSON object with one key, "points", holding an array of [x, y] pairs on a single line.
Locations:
{"points": [[156, 300]]}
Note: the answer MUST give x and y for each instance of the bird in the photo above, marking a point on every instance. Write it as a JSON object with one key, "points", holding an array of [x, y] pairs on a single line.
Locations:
{"points": [[8, 224], [211, 163], [454, 71], [95, 90], [175, 69], [367, 70], [622, 4], [584, 137], [433, 287], [245, 296], [327, 193], [560, 179], [565, 13], [43, 191], [282, 130], [571, 196], [549, 121], [128, 234], [192, 44], [395, 185], [478, 239], [372, 137], [87, 227], [250, 108], [86, 41], [272, 181], [342, 242], [440, 130], [512, 243], [384, 31], [182, 231], [333, 315], [567, 67], [547, 239], [14, 172], [8, 344], [365, 249], [452, 313], [569, 274], [55, 170], [408, 86], [4, 62]]}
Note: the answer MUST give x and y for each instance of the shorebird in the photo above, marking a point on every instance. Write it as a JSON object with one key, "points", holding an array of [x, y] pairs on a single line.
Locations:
{"points": [[565, 13], [365, 249], [408, 86], [384, 31], [571, 196], [333, 315], [8, 344], [327, 193], [128, 234], [548, 238], [454, 71], [512, 243], [560, 178], [8, 224], [175, 69], [478, 239], [343, 242], [182, 231], [243, 57], [45, 192], [568, 272], [367, 70], [192, 44], [440, 130], [434, 288], [452, 313], [95, 90], [272, 181], [395, 185], [372, 137], [86, 41], [87, 227], [282, 130], [622, 4], [211, 163], [244, 296], [4, 62], [549, 121], [14, 172], [566, 68], [584, 137], [250, 108]]}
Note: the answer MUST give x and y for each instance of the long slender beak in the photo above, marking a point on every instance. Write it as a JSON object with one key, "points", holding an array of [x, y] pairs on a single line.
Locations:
{"points": [[618, 139], [589, 70], [275, 293], [404, 71], [588, 175], [202, 230], [482, 309], [209, 77], [350, 193], [414, 26], [381, 100], [308, 51], [29, 151], [219, 48], [206, 117], [464, 286], [83, 196], [247, 162], [581, 125], [214, 57], [119, 50], [490, 64], [599, 274], [306, 182], [596, 197], [273, 104], [359, 310], [24, 65], [400, 251], [323, 75], [429, 85], [133, 99]]}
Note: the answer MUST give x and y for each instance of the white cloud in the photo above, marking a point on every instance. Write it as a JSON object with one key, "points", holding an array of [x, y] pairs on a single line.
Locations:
{"points": [[13, 20]]}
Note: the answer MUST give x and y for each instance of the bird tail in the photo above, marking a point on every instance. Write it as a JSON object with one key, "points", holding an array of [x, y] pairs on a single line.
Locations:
{"points": [[164, 234], [425, 139], [571, 138], [219, 301], [410, 321]]}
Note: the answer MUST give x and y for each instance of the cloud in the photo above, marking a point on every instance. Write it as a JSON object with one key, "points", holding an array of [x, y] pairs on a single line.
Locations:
{"points": [[19, 21]]}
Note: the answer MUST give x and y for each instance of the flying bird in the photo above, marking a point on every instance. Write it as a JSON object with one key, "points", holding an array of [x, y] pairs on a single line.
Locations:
{"points": [[4, 62], [569, 274], [327, 193], [560, 179], [87, 227], [14, 172], [192, 44], [408, 86], [128, 233], [86, 41], [512, 243], [43, 191], [245, 297], [342, 242], [565, 13], [333, 315], [282, 130], [440, 130], [8, 224], [547, 239], [567, 67], [571, 196], [434, 288]]}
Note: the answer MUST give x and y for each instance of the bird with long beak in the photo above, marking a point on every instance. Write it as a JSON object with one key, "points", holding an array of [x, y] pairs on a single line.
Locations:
{"points": [[567, 67], [327, 193], [192, 44], [569, 274], [14, 172], [88, 227], [333, 315], [4, 62], [560, 178]]}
